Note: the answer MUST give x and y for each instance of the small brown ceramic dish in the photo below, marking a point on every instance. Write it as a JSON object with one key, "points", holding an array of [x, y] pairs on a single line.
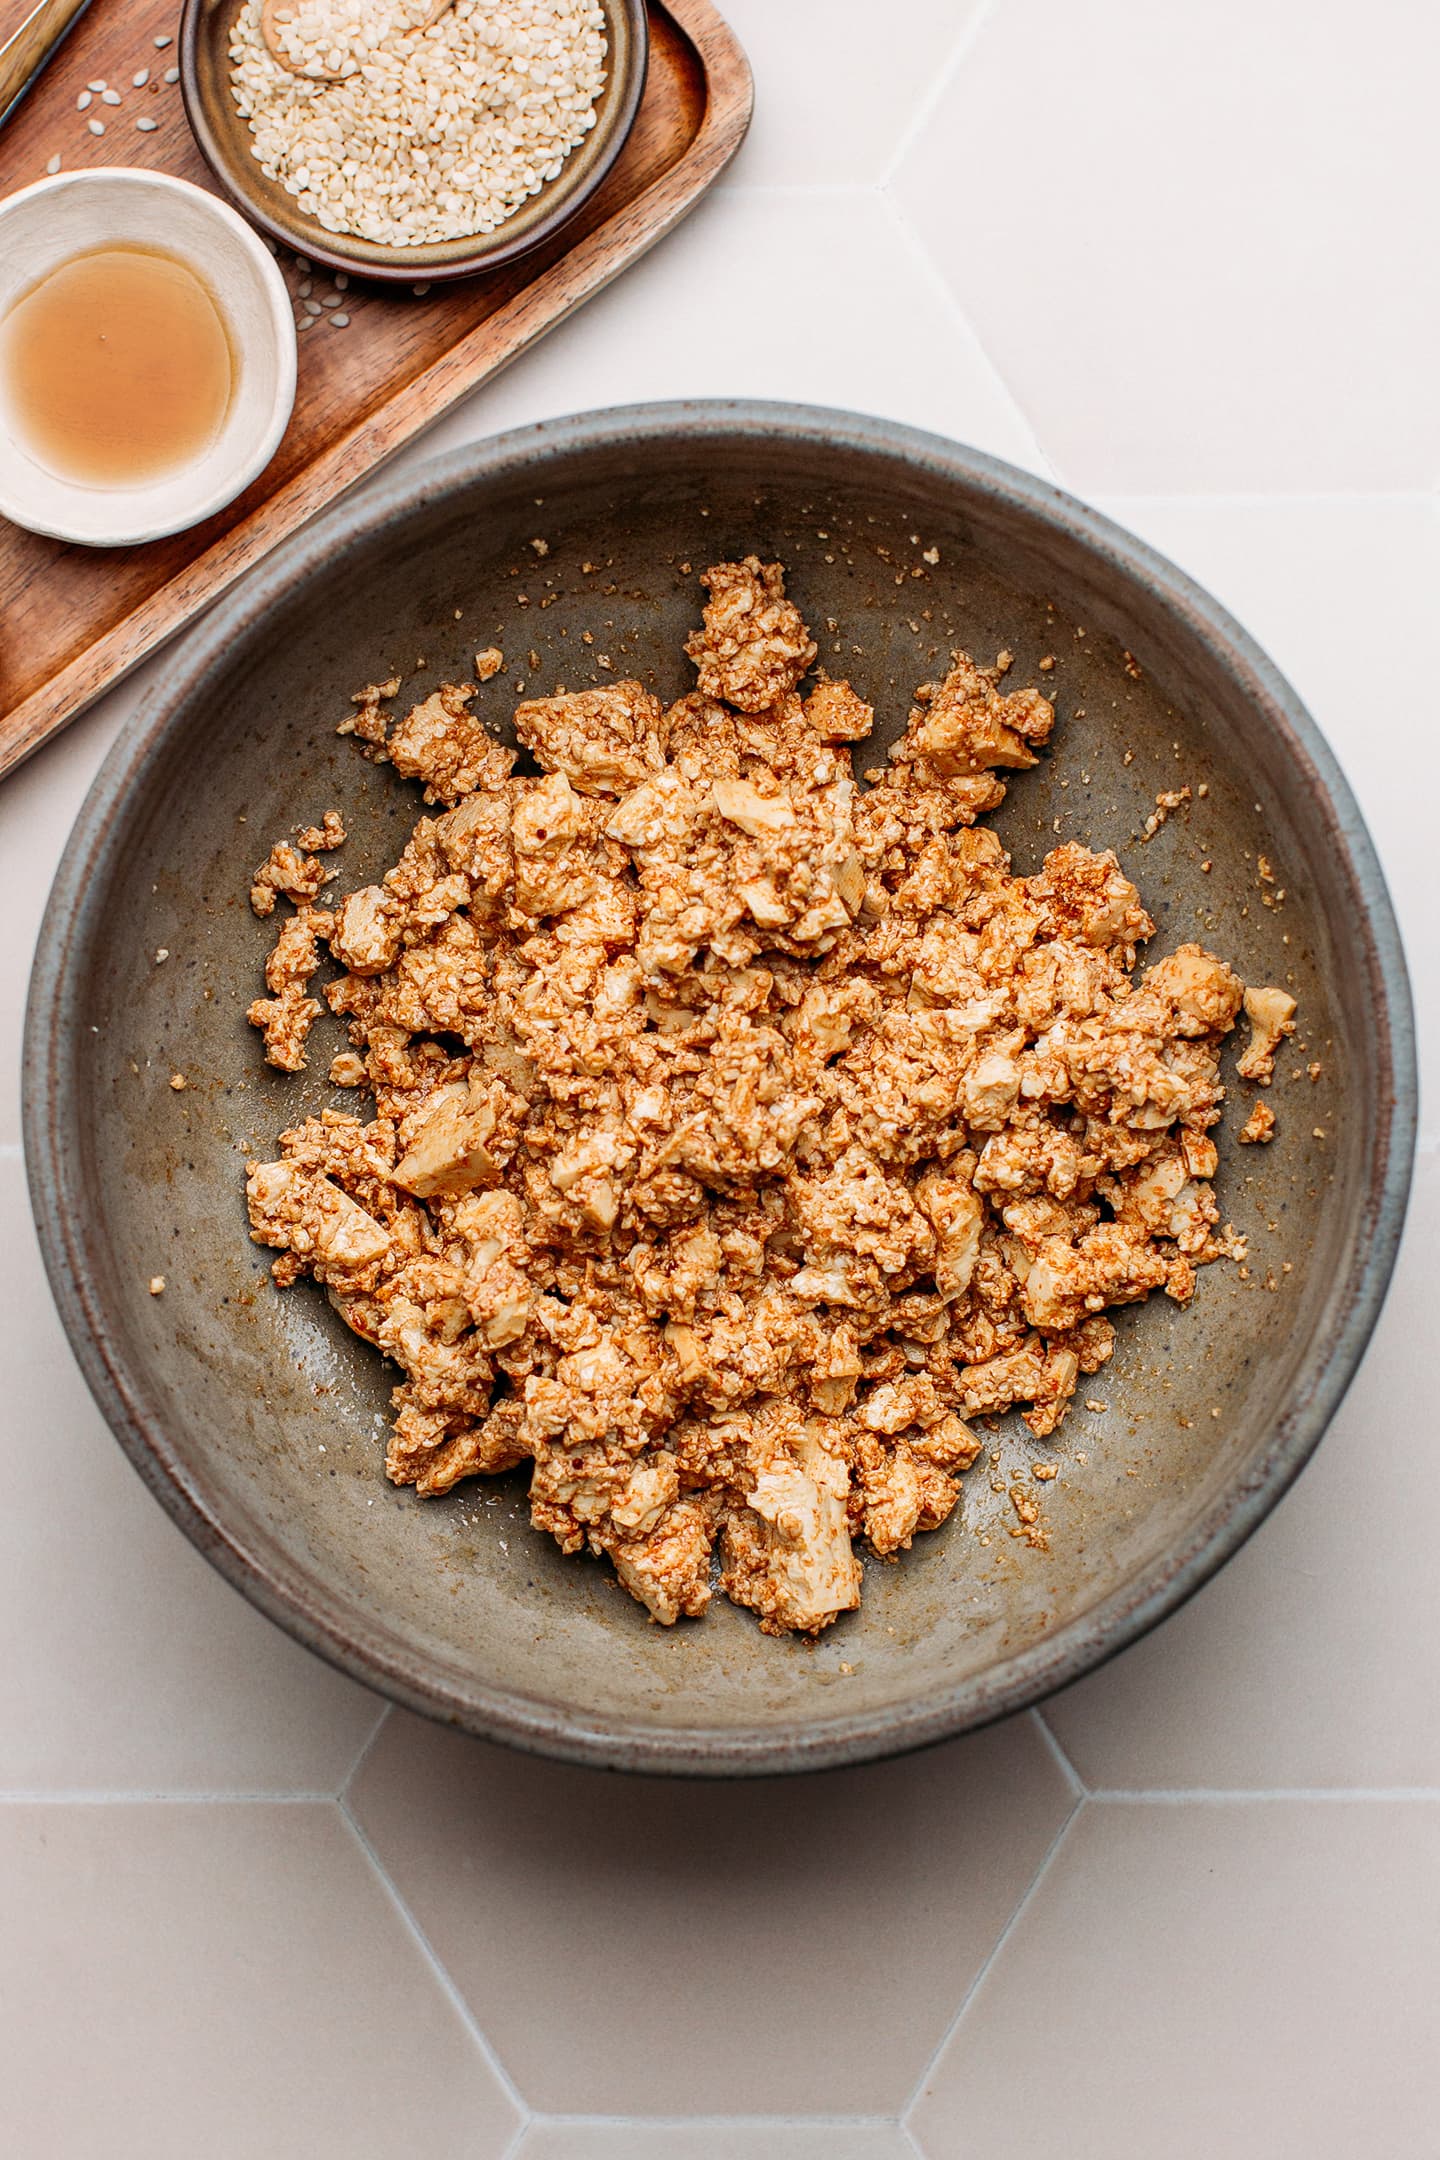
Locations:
{"points": [[224, 139], [259, 1421]]}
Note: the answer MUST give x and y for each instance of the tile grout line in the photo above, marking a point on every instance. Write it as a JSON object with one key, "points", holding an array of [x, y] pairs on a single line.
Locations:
{"points": [[512, 2150], [1073, 1779], [1048, 468], [1277, 499], [1248, 1796], [78, 1796], [939, 283], [364, 1755], [544, 2118], [945, 75], [821, 190], [909, 2139], [442, 1974], [1076, 1810]]}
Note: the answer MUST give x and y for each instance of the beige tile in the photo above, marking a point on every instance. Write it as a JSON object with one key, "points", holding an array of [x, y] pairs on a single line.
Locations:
{"points": [[716, 2141], [1194, 1980], [832, 100], [38, 805], [1206, 269], [655, 1948], [1329, 589], [129, 1665], [1314, 1659], [225, 1980], [897, 346]]}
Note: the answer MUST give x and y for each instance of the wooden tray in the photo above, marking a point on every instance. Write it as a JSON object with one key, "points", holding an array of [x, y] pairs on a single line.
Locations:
{"points": [[74, 620]]}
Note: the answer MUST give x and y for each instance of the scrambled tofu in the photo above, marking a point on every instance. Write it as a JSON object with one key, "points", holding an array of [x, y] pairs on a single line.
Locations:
{"points": [[736, 1136]]}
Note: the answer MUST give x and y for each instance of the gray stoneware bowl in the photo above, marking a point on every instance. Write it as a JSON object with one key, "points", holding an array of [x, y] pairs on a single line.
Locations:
{"points": [[258, 1421]]}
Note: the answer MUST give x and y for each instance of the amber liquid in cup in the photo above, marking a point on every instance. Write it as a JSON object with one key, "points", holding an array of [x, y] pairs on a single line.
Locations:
{"points": [[116, 368]]}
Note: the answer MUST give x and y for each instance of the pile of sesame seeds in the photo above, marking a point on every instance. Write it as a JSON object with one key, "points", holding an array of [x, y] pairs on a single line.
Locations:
{"points": [[429, 134]]}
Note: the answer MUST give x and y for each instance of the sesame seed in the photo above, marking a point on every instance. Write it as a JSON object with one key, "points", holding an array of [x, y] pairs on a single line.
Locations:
{"points": [[342, 279], [338, 322], [54, 165], [82, 102], [312, 307], [110, 97], [172, 75], [98, 86], [140, 78], [96, 127], [161, 43], [147, 127]]}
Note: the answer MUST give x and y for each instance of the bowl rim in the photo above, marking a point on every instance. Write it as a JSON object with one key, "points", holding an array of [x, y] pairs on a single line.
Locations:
{"points": [[416, 269], [571, 1733], [143, 179]]}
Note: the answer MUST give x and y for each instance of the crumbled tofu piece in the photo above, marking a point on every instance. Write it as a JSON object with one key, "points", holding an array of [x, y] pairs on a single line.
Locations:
{"points": [[966, 726], [308, 1214], [449, 1153], [367, 931], [286, 871], [1271, 1014], [439, 742], [754, 647], [368, 722], [327, 835], [604, 741], [1259, 1127], [488, 663], [288, 1014], [789, 1555], [837, 713], [1167, 801]]}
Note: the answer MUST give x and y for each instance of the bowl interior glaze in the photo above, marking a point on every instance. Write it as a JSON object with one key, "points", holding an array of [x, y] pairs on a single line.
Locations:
{"points": [[260, 1421]]}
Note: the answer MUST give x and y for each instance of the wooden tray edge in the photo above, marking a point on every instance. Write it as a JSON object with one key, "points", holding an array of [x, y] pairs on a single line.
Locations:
{"points": [[490, 347]]}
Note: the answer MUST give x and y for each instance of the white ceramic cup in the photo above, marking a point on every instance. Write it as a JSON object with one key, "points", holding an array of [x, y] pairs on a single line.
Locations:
{"points": [[77, 213]]}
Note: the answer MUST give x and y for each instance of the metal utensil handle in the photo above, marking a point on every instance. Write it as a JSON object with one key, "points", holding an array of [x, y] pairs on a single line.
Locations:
{"points": [[25, 54]]}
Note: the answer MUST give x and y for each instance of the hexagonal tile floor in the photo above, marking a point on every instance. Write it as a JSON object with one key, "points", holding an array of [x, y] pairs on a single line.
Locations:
{"points": [[1180, 259]]}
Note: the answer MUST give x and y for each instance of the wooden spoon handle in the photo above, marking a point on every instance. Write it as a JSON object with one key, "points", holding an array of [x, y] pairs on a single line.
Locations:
{"points": [[274, 11], [23, 55]]}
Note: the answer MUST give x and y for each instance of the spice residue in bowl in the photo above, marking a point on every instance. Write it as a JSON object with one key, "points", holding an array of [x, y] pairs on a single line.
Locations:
{"points": [[408, 135]]}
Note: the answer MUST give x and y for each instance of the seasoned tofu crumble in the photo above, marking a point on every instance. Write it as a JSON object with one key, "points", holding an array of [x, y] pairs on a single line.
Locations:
{"points": [[738, 1136]]}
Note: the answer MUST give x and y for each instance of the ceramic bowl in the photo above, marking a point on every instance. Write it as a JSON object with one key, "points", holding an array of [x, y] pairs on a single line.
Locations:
{"points": [[260, 1422], [77, 213], [225, 141]]}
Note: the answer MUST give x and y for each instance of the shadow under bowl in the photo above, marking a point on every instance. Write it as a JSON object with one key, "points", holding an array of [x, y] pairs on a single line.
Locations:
{"points": [[260, 1422], [226, 144]]}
